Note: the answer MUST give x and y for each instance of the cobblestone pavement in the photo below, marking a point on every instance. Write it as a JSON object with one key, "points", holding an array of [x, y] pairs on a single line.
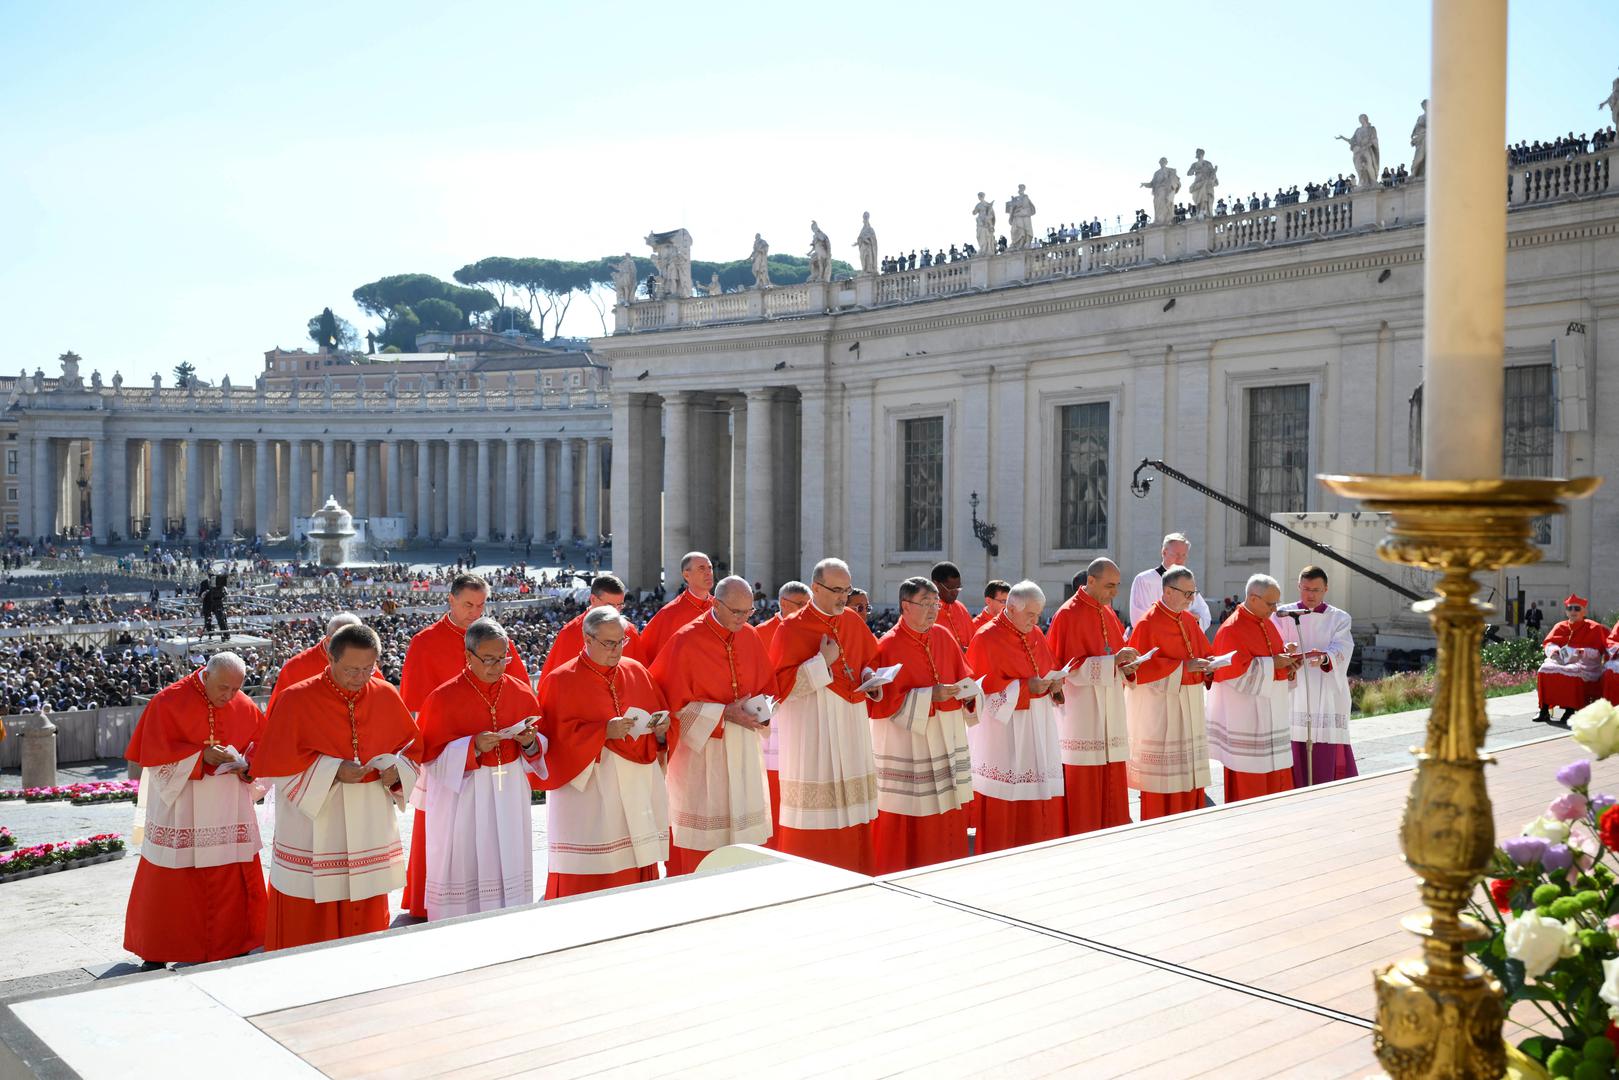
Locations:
{"points": [[67, 927]]}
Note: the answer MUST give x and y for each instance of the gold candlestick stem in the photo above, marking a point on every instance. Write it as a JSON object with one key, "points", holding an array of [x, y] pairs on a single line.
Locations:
{"points": [[1439, 1015]]}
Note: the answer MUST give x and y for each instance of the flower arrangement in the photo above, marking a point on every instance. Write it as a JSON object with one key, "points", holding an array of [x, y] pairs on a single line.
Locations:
{"points": [[81, 794], [1550, 904], [7, 840], [41, 856]]}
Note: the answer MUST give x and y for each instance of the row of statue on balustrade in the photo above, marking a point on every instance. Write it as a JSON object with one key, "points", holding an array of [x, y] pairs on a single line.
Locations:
{"points": [[671, 251]]}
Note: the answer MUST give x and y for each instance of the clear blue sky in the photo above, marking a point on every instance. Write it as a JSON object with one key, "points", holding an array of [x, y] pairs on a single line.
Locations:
{"points": [[192, 181]]}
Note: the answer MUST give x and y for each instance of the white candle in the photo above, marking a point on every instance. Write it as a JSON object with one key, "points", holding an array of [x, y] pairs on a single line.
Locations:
{"points": [[1464, 306]]}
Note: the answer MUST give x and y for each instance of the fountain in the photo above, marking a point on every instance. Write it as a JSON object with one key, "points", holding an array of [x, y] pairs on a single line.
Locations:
{"points": [[331, 528]]}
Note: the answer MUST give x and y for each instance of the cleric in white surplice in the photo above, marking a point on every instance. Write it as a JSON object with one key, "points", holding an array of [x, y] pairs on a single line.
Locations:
{"points": [[1320, 698]]}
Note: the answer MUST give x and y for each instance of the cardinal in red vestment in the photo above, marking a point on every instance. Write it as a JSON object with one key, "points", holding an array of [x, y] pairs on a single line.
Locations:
{"points": [[953, 614], [608, 816], [311, 661], [604, 589], [436, 655], [337, 852], [689, 605], [198, 893], [1249, 726], [1169, 752], [994, 603], [1570, 678]]}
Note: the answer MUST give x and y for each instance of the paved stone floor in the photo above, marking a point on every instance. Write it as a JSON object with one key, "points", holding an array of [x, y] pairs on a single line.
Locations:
{"points": [[65, 928]]}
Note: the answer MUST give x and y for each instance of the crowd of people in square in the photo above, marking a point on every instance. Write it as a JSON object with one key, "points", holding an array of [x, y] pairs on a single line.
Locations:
{"points": [[661, 733]]}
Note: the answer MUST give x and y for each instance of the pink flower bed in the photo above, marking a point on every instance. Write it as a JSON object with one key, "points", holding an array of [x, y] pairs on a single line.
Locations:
{"points": [[39, 856], [98, 791]]}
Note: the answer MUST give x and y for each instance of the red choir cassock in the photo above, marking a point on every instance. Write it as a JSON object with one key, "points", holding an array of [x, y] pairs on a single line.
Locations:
{"points": [[931, 658], [767, 634], [1561, 686], [797, 640], [468, 706], [311, 720], [436, 655], [1251, 638], [575, 704], [1003, 657], [198, 913], [570, 640], [299, 666], [955, 618], [1178, 638], [683, 609], [1097, 796], [983, 617], [703, 661]]}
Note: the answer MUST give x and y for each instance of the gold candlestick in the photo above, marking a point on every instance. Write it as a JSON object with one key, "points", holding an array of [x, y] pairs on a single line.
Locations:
{"points": [[1439, 1015]]}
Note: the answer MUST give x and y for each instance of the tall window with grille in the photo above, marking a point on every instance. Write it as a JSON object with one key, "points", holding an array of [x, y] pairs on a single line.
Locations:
{"points": [[922, 484], [1278, 453], [1529, 430], [1082, 480]]}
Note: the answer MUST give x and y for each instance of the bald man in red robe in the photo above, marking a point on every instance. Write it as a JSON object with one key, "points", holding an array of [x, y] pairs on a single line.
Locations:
{"points": [[608, 812], [691, 604], [919, 735], [436, 655], [337, 853], [604, 589], [1571, 676], [311, 661], [710, 672], [1249, 723], [198, 893]]}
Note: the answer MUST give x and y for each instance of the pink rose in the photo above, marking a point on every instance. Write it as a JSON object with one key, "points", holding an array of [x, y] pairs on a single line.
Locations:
{"points": [[1567, 807]]}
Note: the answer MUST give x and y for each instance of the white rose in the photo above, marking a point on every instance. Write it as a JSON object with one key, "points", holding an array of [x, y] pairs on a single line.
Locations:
{"points": [[1610, 984], [1596, 727], [1538, 942], [1549, 829]]}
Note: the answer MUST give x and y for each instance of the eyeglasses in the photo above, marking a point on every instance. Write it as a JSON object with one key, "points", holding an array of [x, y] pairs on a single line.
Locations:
{"points": [[740, 613], [925, 605], [1188, 593], [355, 672], [491, 661], [843, 590], [610, 646]]}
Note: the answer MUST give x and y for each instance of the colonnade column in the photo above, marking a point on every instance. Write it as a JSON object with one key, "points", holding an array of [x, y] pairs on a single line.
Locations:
{"points": [[362, 478], [100, 485], [536, 493], [592, 527], [328, 471], [396, 461], [230, 486], [193, 486], [424, 489], [297, 485], [263, 487], [759, 464], [510, 523], [453, 493], [485, 480], [565, 492], [812, 433], [676, 484], [121, 493], [157, 496]]}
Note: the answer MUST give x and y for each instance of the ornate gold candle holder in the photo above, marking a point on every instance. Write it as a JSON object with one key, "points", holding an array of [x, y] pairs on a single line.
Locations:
{"points": [[1439, 1015]]}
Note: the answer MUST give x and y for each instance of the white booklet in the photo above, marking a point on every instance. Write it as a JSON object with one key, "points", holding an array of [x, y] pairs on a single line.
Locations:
{"points": [[967, 689], [383, 762], [760, 707], [237, 762], [1059, 673], [510, 731], [1223, 660], [642, 722], [880, 677], [1148, 655]]}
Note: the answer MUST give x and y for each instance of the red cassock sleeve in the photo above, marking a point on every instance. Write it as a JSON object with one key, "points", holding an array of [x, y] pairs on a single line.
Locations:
{"points": [[575, 706], [693, 666], [1560, 635], [998, 657], [1157, 630], [310, 720], [899, 646], [1235, 635], [169, 729]]}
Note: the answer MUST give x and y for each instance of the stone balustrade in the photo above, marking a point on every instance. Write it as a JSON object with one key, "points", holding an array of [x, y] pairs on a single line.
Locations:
{"points": [[1361, 211], [212, 399]]}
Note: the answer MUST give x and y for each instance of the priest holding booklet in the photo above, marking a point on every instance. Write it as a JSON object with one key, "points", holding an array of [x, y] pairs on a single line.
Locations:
{"points": [[716, 677], [919, 734], [1249, 728], [604, 721], [1163, 702], [479, 748]]}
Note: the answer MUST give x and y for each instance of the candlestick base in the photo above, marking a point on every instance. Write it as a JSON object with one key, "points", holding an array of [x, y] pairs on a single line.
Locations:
{"points": [[1440, 1014]]}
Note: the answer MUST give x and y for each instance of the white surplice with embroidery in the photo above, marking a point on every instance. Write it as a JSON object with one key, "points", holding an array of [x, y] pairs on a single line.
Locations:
{"points": [[828, 771], [1016, 753], [1090, 721], [717, 790], [1248, 720], [1169, 742], [209, 821], [924, 766], [480, 846], [336, 841], [1320, 699], [612, 817]]}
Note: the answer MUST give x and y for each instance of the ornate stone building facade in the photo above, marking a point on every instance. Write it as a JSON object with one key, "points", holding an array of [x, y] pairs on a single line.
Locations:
{"points": [[866, 418]]}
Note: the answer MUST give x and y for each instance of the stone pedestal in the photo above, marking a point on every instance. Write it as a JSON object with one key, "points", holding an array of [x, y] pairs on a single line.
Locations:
{"points": [[38, 752]]}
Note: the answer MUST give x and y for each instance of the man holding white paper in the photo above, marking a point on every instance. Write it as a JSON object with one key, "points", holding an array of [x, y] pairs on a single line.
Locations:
{"points": [[1320, 696], [342, 749], [822, 655], [604, 720], [479, 748], [919, 736], [717, 680], [1249, 728], [1163, 702], [1087, 636], [1016, 752], [198, 893]]}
